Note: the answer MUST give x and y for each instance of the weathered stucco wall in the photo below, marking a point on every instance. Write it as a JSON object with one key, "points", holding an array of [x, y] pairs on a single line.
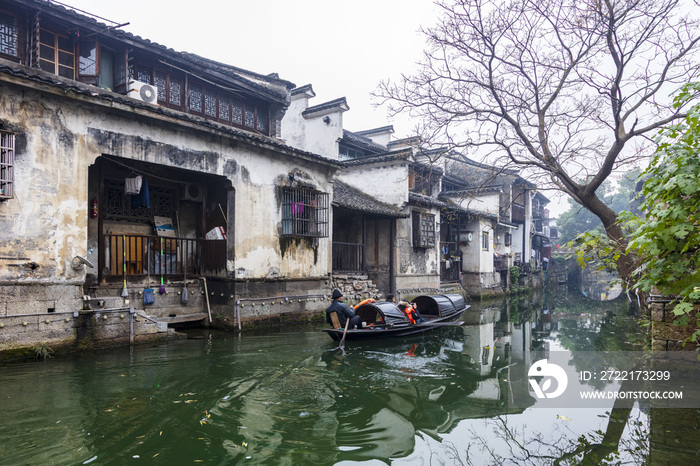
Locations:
{"points": [[59, 137], [314, 133]]}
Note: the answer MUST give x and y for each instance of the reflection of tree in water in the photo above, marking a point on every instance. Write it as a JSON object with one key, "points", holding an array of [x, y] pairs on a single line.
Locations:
{"points": [[503, 443]]}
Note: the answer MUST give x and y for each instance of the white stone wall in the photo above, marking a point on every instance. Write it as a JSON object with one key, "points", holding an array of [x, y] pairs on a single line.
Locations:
{"points": [[387, 182], [318, 133]]}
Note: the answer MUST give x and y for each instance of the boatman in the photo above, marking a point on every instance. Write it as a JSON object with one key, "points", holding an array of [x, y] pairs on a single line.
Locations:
{"points": [[343, 311]]}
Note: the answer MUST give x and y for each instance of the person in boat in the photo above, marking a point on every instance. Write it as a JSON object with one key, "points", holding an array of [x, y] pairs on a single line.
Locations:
{"points": [[391, 298], [411, 312], [343, 310]]}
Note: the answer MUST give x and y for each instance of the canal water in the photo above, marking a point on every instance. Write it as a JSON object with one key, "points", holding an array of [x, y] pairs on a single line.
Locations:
{"points": [[459, 395]]}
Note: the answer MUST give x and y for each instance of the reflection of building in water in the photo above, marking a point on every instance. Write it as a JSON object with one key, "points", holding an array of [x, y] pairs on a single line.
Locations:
{"points": [[600, 285]]}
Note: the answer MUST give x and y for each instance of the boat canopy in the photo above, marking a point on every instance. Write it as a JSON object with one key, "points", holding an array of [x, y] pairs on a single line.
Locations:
{"points": [[439, 305], [381, 313], [428, 306]]}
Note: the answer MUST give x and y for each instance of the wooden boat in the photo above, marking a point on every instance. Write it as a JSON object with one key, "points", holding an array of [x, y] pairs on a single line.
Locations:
{"points": [[385, 319]]}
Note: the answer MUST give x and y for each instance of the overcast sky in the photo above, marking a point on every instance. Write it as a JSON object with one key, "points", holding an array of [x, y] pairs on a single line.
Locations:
{"points": [[343, 49]]}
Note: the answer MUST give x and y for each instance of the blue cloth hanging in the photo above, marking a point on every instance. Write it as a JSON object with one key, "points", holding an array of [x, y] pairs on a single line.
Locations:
{"points": [[142, 199]]}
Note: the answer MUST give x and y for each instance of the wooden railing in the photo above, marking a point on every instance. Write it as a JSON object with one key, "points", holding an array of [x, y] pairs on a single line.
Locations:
{"points": [[156, 255], [348, 257]]}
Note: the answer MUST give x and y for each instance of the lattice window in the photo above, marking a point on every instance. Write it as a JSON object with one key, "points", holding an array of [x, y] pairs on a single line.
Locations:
{"points": [[423, 230], [261, 123], [143, 75], [209, 103], [225, 110], [175, 91], [249, 116], [9, 35], [305, 212], [196, 98], [237, 113], [118, 206], [160, 80], [484, 240], [508, 239], [7, 165]]}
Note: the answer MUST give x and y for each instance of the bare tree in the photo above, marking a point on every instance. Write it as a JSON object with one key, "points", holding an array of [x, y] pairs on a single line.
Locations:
{"points": [[567, 90]]}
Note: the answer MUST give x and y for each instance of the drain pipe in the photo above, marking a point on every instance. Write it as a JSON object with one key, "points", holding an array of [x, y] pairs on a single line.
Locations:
{"points": [[206, 293]]}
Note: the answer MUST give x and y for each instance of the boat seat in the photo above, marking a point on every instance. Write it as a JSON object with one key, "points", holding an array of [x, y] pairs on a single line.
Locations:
{"points": [[334, 319]]}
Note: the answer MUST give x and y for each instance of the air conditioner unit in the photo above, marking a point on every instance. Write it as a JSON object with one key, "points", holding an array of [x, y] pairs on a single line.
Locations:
{"points": [[142, 91], [466, 237], [193, 192]]}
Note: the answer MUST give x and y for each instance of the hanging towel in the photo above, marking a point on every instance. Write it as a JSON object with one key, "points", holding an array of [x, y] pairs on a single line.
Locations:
{"points": [[132, 185], [141, 199]]}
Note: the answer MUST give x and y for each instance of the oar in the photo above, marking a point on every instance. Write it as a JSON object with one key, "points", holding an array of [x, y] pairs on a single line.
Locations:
{"points": [[342, 340]]}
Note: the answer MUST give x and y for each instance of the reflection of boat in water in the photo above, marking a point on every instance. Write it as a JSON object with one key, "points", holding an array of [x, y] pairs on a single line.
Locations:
{"points": [[385, 319]]}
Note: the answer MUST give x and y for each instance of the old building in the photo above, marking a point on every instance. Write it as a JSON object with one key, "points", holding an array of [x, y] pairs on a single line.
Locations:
{"points": [[391, 236], [133, 173]]}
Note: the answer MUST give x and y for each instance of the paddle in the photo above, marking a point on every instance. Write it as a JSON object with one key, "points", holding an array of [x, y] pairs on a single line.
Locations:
{"points": [[342, 340]]}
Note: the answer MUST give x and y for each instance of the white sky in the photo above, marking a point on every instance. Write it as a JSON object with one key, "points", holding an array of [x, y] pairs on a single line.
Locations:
{"points": [[343, 49]]}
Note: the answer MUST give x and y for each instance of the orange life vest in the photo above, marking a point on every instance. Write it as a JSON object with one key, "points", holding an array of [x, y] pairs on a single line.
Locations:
{"points": [[409, 313]]}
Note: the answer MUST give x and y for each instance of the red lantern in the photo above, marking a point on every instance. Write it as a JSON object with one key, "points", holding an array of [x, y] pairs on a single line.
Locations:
{"points": [[93, 209]]}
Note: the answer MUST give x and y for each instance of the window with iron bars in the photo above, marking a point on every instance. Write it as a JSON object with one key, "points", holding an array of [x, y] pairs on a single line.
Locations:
{"points": [[305, 213], [423, 230], [7, 165]]}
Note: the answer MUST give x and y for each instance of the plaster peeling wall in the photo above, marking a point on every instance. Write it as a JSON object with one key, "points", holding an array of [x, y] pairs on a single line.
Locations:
{"points": [[59, 138]]}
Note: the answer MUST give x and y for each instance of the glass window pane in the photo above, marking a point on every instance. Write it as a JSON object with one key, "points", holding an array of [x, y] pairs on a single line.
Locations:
{"points": [[65, 44], [47, 66], [87, 63], [65, 59], [47, 53], [106, 69], [66, 72]]}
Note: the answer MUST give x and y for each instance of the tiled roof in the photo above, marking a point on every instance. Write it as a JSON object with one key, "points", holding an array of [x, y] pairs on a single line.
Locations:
{"points": [[43, 78], [421, 199], [233, 72], [351, 198], [339, 104], [449, 204], [357, 140], [399, 155]]}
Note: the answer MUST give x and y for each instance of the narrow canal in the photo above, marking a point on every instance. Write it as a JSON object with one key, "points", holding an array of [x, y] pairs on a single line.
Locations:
{"points": [[459, 395]]}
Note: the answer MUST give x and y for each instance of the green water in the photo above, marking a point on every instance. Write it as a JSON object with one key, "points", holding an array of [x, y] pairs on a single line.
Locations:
{"points": [[456, 396]]}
